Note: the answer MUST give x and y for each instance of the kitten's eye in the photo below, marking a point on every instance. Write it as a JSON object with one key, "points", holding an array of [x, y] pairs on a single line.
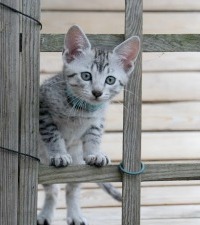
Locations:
{"points": [[110, 80], [86, 76]]}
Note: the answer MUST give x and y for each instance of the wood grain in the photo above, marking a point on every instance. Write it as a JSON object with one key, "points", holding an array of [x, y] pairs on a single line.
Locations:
{"points": [[153, 172], [113, 5], [83, 5], [151, 42], [132, 120], [171, 43], [150, 196], [9, 112], [169, 22], [54, 42], [171, 86], [176, 5], [167, 116], [29, 116], [180, 116], [114, 221], [157, 146], [59, 22], [154, 215]]}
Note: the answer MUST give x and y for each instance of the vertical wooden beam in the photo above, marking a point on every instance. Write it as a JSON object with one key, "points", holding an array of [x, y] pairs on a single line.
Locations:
{"points": [[29, 113], [9, 108], [132, 122]]}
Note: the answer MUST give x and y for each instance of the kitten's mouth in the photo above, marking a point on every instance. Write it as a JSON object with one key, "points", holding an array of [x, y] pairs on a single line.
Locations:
{"points": [[96, 100]]}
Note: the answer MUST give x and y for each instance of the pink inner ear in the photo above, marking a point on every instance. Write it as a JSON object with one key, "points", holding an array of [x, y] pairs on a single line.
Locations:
{"points": [[127, 64], [128, 52], [75, 43]]}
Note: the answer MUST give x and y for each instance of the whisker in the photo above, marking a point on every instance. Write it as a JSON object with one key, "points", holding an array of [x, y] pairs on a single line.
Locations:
{"points": [[121, 103], [130, 92]]}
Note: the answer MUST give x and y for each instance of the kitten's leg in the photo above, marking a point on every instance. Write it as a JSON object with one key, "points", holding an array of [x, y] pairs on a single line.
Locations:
{"points": [[74, 215], [51, 137], [46, 215], [91, 146]]}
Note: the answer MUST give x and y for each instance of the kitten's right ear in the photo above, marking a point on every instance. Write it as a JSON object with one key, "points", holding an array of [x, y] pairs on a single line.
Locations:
{"points": [[75, 44]]}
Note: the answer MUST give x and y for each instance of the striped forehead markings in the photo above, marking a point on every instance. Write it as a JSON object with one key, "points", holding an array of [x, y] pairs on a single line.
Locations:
{"points": [[100, 60]]}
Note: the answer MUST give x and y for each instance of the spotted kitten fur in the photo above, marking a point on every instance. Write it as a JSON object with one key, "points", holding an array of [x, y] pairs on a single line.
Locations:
{"points": [[72, 112]]}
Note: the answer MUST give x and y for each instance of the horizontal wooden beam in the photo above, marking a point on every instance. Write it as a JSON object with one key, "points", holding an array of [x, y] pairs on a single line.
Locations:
{"points": [[171, 43], [54, 42], [151, 42], [111, 173]]}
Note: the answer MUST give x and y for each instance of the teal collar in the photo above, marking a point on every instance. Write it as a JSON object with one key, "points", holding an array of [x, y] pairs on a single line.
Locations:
{"points": [[80, 104]]}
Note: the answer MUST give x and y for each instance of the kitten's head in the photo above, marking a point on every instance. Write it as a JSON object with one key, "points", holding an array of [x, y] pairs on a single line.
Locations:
{"points": [[96, 75]]}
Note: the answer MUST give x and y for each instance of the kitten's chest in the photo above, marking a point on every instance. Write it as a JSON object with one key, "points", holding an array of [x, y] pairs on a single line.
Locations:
{"points": [[73, 128]]}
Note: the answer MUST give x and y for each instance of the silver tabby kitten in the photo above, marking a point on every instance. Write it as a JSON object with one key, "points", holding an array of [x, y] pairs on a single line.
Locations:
{"points": [[72, 110]]}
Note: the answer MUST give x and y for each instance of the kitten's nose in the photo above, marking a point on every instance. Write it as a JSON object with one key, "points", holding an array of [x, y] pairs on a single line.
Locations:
{"points": [[97, 93]]}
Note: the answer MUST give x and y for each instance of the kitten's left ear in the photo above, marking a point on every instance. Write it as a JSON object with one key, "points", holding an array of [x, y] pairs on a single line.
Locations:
{"points": [[75, 44], [127, 52]]}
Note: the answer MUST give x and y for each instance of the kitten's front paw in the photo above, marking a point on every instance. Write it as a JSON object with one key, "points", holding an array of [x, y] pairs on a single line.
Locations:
{"points": [[76, 220], [99, 159], [42, 220], [60, 160]]}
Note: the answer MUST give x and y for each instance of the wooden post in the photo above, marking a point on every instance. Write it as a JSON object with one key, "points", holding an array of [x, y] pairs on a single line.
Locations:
{"points": [[19, 86], [132, 122], [9, 112]]}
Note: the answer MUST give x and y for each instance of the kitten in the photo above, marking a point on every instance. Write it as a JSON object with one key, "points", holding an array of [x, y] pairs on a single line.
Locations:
{"points": [[72, 111]]}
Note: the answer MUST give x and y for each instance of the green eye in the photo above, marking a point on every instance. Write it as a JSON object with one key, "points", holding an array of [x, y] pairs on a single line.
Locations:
{"points": [[86, 76], [110, 80]]}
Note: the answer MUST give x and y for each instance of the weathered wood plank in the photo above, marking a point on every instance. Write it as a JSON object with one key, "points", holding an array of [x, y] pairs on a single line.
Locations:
{"points": [[29, 118], [113, 5], [58, 22], [151, 184], [157, 146], [171, 86], [151, 42], [9, 112], [154, 215], [180, 116], [171, 43], [83, 174], [150, 196], [153, 172], [183, 116], [178, 221], [176, 5], [171, 62], [54, 42], [132, 120], [169, 22], [143, 222], [170, 212]]}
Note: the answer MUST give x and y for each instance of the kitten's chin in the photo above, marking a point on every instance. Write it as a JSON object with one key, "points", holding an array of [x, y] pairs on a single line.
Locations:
{"points": [[98, 101]]}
